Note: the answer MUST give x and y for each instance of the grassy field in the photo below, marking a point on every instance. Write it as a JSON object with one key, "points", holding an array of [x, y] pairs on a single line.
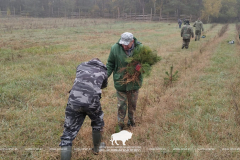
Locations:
{"points": [[197, 117]]}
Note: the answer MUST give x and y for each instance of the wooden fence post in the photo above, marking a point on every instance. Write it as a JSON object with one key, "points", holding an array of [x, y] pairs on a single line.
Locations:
{"points": [[160, 14], [151, 15], [130, 14], [118, 13], [143, 14]]}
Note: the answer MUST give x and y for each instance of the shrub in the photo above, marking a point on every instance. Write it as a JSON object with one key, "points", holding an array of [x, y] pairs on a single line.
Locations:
{"points": [[145, 57]]}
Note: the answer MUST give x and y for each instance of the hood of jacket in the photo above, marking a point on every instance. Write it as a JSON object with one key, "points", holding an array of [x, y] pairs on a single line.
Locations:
{"points": [[96, 62]]}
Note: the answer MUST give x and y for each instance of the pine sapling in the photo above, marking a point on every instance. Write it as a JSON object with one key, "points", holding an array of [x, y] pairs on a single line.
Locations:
{"points": [[171, 77], [144, 57]]}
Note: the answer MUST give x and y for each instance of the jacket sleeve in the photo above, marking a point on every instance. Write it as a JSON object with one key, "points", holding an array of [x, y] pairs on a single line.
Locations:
{"points": [[110, 63], [202, 27], [194, 25]]}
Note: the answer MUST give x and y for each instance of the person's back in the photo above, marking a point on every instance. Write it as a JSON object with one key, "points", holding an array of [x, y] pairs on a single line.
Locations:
{"points": [[186, 33], [89, 78], [199, 25], [84, 100]]}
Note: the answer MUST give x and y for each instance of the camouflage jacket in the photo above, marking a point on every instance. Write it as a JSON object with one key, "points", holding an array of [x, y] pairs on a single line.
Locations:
{"points": [[199, 25], [91, 77], [187, 32]]}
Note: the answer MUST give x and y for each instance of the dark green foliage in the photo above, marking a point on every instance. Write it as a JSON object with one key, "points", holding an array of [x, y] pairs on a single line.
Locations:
{"points": [[145, 68], [145, 57]]}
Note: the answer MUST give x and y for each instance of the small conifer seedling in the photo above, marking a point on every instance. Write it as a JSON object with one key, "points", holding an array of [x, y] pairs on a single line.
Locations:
{"points": [[171, 77]]}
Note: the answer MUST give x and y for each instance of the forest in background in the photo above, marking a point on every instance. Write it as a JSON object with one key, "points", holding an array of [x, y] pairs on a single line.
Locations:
{"points": [[222, 11]]}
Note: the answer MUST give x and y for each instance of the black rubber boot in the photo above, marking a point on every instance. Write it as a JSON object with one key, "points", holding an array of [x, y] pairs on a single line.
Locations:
{"points": [[97, 136], [66, 152], [131, 123]]}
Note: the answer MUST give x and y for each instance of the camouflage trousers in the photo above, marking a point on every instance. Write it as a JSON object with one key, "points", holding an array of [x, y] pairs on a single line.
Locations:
{"points": [[186, 43], [74, 117], [198, 35], [127, 100]]}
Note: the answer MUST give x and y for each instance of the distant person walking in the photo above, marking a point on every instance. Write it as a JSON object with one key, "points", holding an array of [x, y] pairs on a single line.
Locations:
{"points": [[186, 33], [179, 23], [199, 27]]}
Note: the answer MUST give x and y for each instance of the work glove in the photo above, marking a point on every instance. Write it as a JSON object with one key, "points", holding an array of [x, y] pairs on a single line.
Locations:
{"points": [[138, 67], [105, 83]]}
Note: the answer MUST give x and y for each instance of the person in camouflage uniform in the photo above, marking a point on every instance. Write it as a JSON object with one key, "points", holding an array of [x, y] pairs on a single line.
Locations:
{"points": [[199, 27], [127, 100], [186, 33], [84, 99], [127, 94]]}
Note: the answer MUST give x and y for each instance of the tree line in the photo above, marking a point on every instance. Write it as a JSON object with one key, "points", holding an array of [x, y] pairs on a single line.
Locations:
{"points": [[208, 10]]}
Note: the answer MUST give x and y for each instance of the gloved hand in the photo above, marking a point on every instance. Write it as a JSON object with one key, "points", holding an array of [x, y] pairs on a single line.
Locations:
{"points": [[138, 67]]}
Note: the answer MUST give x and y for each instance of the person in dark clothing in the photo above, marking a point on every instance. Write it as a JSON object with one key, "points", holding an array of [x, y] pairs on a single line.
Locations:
{"points": [[179, 23]]}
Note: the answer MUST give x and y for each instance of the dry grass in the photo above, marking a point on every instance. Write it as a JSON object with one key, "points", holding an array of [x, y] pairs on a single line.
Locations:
{"points": [[199, 111]]}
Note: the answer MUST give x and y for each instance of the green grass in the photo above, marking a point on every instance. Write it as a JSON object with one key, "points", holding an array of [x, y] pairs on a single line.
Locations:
{"points": [[38, 61], [204, 115]]}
